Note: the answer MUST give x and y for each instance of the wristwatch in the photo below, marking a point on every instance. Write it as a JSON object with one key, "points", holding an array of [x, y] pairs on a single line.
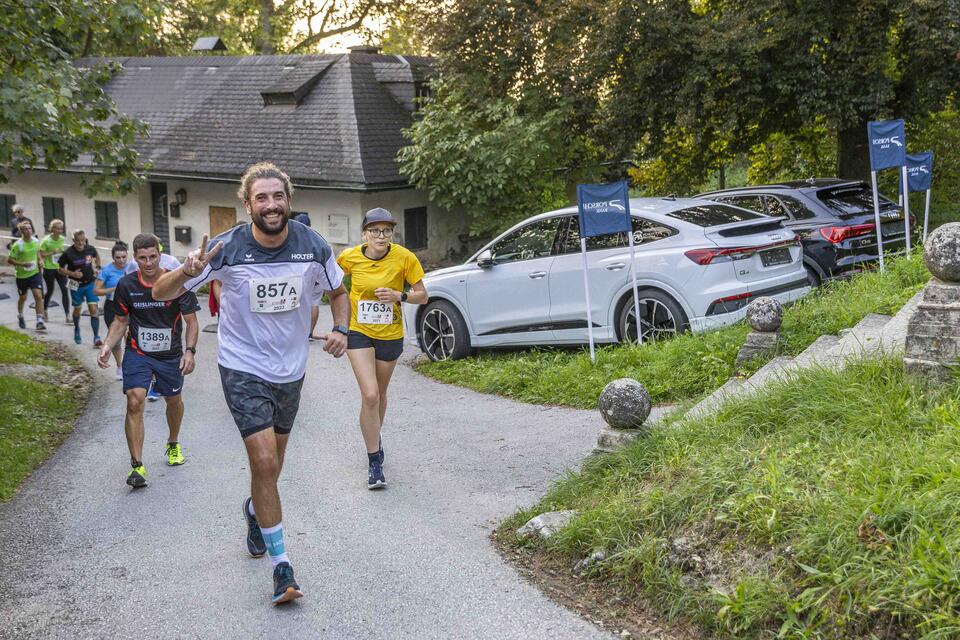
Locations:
{"points": [[192, 350], [339, 328], [403, 297]]}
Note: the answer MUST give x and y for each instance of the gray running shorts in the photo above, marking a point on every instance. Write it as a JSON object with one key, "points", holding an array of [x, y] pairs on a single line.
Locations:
{"points": [[257, 404]]}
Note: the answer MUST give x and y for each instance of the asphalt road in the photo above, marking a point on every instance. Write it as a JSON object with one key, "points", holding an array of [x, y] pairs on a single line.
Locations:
{"points": [[82, 556]]}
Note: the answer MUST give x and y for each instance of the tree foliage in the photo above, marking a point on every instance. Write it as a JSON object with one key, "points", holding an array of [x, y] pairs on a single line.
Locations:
{"points": [[53, 112], [683, 87], [488, 159]]}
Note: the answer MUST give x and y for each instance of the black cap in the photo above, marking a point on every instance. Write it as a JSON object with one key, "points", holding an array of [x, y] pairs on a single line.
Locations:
{"points": [[377, 215]]}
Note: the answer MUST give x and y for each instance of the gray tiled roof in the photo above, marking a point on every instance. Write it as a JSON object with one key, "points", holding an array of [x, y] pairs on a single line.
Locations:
{"points": [[207, 114]]}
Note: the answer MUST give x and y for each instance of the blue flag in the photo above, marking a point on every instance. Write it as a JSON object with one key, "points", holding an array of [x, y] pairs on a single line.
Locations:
{"points": [[919, 170], [604, 208], [888, 144]]}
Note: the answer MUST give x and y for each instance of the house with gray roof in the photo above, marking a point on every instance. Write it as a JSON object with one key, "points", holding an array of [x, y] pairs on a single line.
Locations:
{"points": [[332, 122]]}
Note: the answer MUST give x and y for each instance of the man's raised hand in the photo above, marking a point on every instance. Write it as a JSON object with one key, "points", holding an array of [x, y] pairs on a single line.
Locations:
{"points": [[198, 259]]}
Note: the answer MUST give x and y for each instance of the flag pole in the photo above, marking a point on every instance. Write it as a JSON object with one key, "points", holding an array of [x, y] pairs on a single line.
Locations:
{"points": [[876, 216], [633, 271], [926, 215], [586, 291], [906, 206]]}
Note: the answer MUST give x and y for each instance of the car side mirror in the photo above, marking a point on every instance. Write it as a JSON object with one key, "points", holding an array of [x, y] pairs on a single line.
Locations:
{"points": [[485, 259]]}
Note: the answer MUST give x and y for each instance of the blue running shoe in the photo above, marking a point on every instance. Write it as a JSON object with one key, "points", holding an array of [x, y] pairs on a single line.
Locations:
{"points": [[285, 587], [255, 544], [76, 335], [375, 479]]}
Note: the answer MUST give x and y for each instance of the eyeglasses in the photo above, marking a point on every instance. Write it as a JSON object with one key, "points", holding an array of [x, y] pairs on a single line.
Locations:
{"points": [[381, 233]]}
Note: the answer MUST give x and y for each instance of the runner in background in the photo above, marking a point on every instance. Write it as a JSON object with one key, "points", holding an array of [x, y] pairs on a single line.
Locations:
{"points": [[25, 258], [50, 249], [154, 349], [77, 263], [379, 272], [105, 285]]}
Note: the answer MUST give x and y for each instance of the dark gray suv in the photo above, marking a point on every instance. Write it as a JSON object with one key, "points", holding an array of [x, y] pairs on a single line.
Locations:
{"points": [[834, 219]]}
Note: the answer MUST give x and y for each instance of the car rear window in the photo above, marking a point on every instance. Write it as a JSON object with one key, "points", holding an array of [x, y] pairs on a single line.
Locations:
{"points": [[851, 200], [711, 215]]}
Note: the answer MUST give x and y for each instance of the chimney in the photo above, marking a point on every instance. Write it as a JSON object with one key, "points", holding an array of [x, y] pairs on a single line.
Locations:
{"points": [[364, 48]]}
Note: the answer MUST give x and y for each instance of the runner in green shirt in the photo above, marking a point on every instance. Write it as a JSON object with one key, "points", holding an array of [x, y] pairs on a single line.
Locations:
{"points": [[25, 257], [50, 249]]}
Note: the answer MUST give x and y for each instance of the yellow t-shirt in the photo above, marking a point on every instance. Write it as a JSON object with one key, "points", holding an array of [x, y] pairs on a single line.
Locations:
{"points": [[368, 315]]}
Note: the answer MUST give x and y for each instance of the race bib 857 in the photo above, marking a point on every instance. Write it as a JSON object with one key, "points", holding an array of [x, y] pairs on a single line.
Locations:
{"points": [[273, 295]]}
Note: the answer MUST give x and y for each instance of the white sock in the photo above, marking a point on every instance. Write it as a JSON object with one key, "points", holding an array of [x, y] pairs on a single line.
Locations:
{"points": [[250, 509], [273, 537]]}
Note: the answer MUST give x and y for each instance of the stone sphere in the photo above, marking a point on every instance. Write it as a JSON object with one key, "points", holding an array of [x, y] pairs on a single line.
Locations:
{"points": [[765, 314], [625, 404], [942, 252]]}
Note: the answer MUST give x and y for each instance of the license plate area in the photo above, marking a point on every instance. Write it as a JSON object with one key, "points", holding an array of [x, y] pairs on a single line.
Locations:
{"points": [[775, 257]]}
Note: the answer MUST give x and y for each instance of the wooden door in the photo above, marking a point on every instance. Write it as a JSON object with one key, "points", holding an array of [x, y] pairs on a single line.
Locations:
{"points": [[221, 219]]}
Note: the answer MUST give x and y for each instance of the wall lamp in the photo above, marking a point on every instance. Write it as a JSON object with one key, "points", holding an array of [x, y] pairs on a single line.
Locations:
{"points": [[181, 196]]}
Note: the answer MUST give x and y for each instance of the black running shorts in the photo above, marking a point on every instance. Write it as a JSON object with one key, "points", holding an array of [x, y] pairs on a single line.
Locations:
{"points": [[257, 404], [385, 350]]}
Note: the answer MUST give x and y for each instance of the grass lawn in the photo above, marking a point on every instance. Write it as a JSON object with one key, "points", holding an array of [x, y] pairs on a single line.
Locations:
{"points": [[825, 507], [687, 366], [30, 431]]}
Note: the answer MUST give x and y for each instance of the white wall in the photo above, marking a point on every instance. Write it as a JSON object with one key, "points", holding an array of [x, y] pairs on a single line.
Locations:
{"points": [[30, 187], [135, 214]]}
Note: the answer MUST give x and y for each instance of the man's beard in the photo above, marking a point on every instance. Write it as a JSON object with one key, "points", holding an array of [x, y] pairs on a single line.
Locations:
{"points": [[260, 224]]}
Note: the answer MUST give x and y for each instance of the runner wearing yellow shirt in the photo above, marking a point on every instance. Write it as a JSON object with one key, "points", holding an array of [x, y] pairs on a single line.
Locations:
{"points": [[379, 271]]}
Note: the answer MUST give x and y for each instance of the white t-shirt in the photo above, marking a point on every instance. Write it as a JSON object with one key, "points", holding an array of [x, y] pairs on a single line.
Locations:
{"points": [[265, 299], [167, 263]]}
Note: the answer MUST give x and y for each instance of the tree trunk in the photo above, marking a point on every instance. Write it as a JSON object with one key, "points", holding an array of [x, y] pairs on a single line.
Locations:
{"points": [[266, 28], [853, 157], [722, 179]]}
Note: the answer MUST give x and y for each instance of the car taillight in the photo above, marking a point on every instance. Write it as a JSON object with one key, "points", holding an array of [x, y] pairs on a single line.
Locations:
{"points": [[704, 257], [836, 235]]}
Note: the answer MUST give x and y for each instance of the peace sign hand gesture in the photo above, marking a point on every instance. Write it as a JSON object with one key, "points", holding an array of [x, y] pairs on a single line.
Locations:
{"points": [[198, 259]]}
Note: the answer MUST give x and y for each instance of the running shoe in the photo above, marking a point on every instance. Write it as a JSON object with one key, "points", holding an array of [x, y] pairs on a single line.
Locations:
{"points": [[375, 479], [285, 587], [137, 477], [152, 396], [68, 321], [255, 544], [76, 335], [21, 322], [119, 374], [97, 342], [174, 454], [41, 326]]}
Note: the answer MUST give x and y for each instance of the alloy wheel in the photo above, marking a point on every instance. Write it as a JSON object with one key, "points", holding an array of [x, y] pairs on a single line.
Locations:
{"points": [[657, 322], [438, 334]]}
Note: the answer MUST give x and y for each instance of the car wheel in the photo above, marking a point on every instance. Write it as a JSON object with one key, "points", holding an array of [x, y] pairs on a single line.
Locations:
{"points": [[812, 277], [660, 317], [443, 333]]}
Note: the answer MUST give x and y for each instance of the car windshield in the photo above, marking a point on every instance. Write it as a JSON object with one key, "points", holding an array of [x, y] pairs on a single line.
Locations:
{"points": [[711, 215], [851, 200]]}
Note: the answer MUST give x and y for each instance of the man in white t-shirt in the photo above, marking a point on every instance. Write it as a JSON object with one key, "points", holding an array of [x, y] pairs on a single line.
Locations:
{"points": [[271, 272]]}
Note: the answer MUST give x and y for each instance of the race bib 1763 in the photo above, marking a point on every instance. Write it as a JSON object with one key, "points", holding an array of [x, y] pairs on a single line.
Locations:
{"points": [[374, 312], [273, 295]]}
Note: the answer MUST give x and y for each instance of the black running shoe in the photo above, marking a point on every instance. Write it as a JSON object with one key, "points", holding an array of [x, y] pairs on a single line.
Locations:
{"points": [[255, 544], [285, 587], [21, 322], [375, 479]]}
